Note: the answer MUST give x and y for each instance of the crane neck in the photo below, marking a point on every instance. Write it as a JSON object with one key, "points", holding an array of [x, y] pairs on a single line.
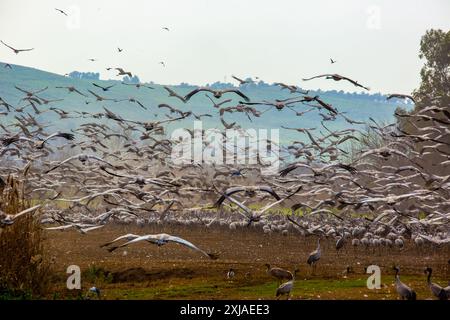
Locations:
{"points": [[429, 276], [397, 278]]}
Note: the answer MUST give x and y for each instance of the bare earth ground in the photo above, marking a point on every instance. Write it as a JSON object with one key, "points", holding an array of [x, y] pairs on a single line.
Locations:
{"points": [[145, 271]]}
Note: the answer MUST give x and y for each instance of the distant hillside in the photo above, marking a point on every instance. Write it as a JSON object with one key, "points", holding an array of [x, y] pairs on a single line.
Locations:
{"points": [[356, 106]]}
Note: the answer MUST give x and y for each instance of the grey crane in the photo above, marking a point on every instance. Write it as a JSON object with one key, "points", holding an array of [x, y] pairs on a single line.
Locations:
{"points": [[162, 239], [16, 51], [278, 273], [8, 219], [436, 289], [314, 256], [340, 242], [403, 290], [231, 273], [286, 288]]}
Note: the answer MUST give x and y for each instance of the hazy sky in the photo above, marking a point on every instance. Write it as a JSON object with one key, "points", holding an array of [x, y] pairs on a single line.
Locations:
{"points": [[374, 42]]}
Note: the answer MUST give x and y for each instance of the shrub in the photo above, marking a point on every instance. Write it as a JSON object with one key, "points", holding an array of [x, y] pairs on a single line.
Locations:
{"points": [[98, 275], [24, 269]]}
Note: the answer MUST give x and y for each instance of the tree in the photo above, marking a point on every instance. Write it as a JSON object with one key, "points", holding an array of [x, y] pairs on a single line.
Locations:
{"points": [[434, 91], [133, 79], [435, 74], [85, 75]]}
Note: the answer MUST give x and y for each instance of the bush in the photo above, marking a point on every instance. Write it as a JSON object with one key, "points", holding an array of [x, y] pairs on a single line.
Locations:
{"points": [[24, 269], [98, 275]]}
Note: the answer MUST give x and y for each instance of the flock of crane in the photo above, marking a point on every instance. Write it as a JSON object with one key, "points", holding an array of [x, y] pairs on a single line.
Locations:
{"points": [[116, 170]]}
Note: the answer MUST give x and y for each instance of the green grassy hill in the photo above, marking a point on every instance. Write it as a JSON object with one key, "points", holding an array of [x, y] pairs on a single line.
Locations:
{"points": [[356, 106]]}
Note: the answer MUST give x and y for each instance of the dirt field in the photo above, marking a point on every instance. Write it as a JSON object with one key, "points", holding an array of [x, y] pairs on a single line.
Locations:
{"points": [[145, 271]]}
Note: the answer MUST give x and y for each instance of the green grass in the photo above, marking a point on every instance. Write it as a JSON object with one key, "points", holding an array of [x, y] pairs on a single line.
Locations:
{"points": [[194, 290], [263, 288], [97, 275]]}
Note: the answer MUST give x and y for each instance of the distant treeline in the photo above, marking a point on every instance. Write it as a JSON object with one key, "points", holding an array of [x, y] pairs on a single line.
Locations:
{"points": [[85, 75], [96, 76]]}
